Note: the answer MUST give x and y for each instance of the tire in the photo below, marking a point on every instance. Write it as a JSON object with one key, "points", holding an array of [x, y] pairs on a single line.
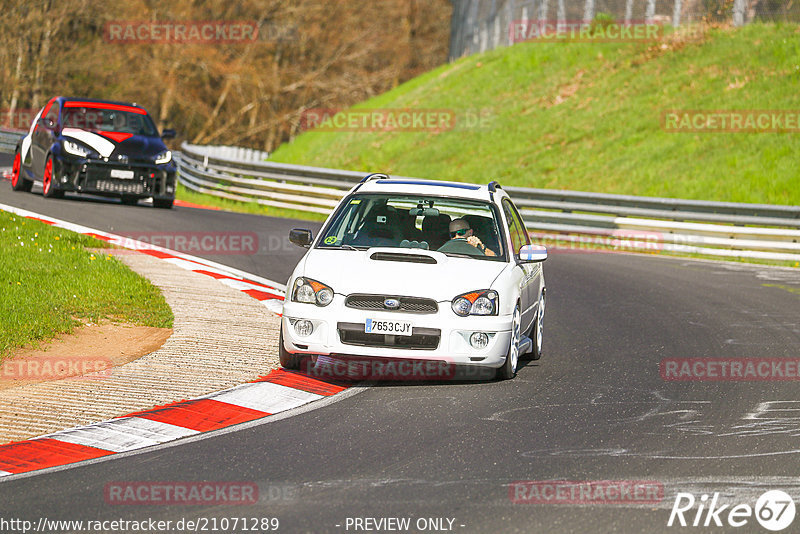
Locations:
{"points": [[48, 189], [509, 368], [162, 203], [129, 200], [288, 360], [18, 183], [538, 329]]}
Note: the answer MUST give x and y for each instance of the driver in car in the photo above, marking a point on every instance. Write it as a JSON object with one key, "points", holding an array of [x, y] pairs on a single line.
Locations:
{"points": [[463, 240]]}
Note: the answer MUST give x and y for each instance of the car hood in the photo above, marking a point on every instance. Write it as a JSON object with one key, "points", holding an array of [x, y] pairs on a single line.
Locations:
{"points": [[396, 271], [114, 143], [141, 145]]}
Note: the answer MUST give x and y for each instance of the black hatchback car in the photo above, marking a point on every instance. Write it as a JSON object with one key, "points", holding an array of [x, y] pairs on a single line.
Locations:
{"points": [[99, 147]]}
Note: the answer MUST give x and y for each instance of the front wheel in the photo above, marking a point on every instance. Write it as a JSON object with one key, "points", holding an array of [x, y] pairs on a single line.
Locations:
{"points": [[509, 368], [48, 187], [288, 360], [18, 183], [538, 329], [163, 203]]}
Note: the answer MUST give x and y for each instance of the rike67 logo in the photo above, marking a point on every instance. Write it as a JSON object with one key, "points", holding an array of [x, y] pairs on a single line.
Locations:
{"points": [[774, 510]]}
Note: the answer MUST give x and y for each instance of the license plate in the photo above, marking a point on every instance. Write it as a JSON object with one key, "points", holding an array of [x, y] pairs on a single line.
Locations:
{"points": [[118, 173], [380, 326]]}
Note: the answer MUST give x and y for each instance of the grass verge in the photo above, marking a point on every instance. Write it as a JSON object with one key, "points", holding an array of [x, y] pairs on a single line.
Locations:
{"points": [[50, 282]]}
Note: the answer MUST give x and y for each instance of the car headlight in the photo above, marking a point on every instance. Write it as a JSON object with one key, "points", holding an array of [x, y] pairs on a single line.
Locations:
{"points": [[164, 157], [311, 292], [482, 302], [75, 149]]}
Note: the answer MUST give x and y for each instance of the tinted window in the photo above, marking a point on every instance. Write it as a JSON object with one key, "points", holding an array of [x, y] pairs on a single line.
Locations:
{"points": [[108, 120], [412, 221], [52, 114], [516, 226]]}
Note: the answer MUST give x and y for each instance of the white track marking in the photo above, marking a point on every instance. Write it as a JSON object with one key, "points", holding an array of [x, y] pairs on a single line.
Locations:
{"points": [[266, 397], [273, 305], [120, 435]]}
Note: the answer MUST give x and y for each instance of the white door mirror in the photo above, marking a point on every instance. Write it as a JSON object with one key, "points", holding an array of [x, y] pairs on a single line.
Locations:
{"points": [[532, 253]]}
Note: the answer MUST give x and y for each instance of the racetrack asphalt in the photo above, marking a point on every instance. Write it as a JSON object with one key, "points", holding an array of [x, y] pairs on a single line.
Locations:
{"points": [[595, 407]]}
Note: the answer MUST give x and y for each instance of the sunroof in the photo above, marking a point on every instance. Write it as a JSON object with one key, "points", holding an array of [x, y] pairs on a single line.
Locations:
{"points": [[433, 183]]}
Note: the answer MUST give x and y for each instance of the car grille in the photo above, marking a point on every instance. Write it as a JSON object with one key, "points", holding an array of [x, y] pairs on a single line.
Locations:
{"points": [[97, 178], [407, 304], [420, 338], [114, 186]]}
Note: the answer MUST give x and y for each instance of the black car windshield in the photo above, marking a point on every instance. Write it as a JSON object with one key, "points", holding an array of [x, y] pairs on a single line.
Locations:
{"points": [[416, 222], [109, 120]]}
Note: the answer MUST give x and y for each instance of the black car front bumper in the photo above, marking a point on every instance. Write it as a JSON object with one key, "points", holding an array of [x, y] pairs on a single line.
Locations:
{"points": [[98, 177]]}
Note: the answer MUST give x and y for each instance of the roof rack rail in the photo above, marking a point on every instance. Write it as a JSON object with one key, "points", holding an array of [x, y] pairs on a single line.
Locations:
{"points": [[374, 176], [494, 186]]}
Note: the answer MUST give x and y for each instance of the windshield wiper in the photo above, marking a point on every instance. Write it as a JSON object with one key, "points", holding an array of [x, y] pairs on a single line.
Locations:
{"points": [[461, 255]]}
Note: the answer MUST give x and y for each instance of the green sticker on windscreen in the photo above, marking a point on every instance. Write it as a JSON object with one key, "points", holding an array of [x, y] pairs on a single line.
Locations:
{"points": [[330, 240]]}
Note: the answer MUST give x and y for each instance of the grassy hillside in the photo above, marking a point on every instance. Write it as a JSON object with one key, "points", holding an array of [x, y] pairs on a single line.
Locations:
{"points": [[587, 116]]}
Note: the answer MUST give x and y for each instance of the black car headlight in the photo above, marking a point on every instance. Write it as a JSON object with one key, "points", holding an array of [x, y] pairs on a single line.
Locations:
{"points": [[163, 157], [71, 147], [311, 292], [481, 302]]}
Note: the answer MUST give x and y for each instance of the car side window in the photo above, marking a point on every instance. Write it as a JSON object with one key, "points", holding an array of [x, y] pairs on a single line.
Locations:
{"points": [[52, 114], [516, 228]]}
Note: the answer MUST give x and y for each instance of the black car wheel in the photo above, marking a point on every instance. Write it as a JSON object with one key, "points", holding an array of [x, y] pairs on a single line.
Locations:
{"points": [[18, 183], [164, 203], [509, 369], [48, 187], [288, 360]]}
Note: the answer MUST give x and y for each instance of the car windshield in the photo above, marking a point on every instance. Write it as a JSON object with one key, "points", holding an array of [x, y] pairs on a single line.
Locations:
{"points": [[109, 120], [416, 222]]}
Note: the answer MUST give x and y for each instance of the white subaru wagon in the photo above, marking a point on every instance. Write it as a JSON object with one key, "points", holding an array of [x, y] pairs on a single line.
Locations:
{"points": [[420, 271]]}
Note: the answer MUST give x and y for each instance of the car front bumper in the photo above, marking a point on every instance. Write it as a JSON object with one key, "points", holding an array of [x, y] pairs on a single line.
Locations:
{"points": [[442, 336], [94, 177]]}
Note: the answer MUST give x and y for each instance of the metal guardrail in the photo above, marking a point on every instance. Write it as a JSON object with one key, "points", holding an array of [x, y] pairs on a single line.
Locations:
{"points": [[567, 219], [564, 219], [8, 139]]}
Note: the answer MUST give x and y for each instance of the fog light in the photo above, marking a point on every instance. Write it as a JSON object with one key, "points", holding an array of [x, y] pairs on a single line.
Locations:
{"points": [[479, 340], [303, 327]]}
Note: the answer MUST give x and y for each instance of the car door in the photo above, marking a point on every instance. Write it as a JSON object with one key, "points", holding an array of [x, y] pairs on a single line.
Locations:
{"points": [[529, 281]]}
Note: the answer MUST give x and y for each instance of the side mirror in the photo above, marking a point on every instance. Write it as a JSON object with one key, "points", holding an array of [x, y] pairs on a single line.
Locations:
{"points": [[532, 253], [300, 237], [46, 123], [168, 134]]}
